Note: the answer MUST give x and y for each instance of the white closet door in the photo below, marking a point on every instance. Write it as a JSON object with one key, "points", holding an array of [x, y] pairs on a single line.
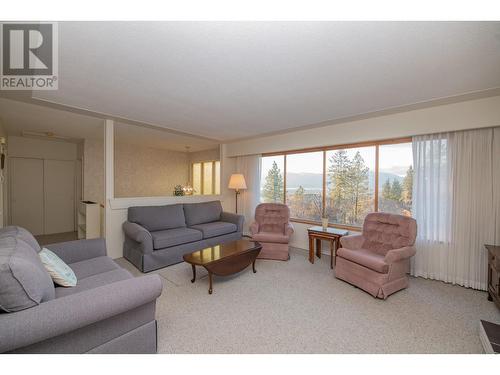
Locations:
{"points": [[26, 193], [59, 182]]}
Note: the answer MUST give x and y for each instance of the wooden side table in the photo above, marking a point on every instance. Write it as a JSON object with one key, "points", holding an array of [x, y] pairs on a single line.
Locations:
{"points": [[317, 234]]}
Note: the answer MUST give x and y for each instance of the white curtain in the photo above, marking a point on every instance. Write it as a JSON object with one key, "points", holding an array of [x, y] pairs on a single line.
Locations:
{"points": [[456, 202], [249, 166]]}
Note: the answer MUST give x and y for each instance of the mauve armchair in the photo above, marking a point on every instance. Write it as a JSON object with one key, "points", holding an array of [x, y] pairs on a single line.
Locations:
{"points": [[272, 228], [378, 260]]}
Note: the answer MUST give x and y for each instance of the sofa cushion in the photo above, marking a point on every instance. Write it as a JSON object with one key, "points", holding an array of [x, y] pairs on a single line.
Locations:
{"points": [[24, 281], [155, 218], [173, 237], [365, 258], [200, 213], [93, 266], [215, 228], [270, 237], [94, 281], [60, 272], [21, 234]]}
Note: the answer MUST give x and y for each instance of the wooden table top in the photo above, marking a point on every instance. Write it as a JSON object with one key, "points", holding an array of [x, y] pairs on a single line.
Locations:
{"points": [[333, 231], [220, 252], [494, 249]]}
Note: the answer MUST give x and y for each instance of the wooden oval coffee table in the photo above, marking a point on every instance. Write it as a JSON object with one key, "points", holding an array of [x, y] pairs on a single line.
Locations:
{"points": [[225, 259]]}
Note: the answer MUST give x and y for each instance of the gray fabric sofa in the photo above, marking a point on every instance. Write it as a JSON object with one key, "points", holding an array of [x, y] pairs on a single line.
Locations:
{"points": [[158, 236], [108, 311]]}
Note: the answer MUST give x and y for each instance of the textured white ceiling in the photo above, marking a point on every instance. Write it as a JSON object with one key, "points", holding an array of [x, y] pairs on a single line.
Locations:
{"points": [[17, 117], [227, 80]]}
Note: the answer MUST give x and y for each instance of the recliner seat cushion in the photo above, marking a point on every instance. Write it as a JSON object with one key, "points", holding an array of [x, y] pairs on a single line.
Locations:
{"points": [[270, 237], [23, 279], [173, 237], [365, 258], [155, 218], [215, 228], [200, 213]]}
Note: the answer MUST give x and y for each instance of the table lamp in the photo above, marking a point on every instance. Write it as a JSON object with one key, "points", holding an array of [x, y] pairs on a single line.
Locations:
{"points": [[237, 182]]}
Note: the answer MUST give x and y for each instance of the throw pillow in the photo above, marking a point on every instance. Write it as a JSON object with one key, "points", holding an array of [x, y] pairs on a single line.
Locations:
{"points": [[60, 272]]}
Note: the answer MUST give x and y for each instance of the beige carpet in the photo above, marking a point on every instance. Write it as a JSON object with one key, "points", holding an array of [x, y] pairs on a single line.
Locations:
{"points": [[297, 307]]}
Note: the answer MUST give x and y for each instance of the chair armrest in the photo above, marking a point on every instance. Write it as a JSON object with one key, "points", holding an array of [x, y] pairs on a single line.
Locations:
{"points": [[289, 229], [66, 314], [140, 235], [76, 251], [233, 218], [353, 241], [396, 255], [254, 228]]}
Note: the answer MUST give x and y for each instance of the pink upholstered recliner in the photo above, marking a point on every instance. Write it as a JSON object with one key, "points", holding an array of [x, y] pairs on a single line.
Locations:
{"points": [[378, 260], [272, 229]]}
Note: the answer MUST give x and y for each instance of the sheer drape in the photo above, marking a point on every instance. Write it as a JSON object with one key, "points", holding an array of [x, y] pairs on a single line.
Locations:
{"points": [[456, 203], [249, 166]]}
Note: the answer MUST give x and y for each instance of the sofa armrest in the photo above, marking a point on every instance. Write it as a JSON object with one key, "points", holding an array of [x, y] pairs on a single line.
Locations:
{"points": [[76, 251], [233, 218], [289, 229], [396, 255], [140, 235], [254, 228], [66, 314], [353, 241]]}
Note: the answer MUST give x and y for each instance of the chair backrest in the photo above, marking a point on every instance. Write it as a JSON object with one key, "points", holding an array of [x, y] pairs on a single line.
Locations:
{"points": [[383, 232], [272, 217]]}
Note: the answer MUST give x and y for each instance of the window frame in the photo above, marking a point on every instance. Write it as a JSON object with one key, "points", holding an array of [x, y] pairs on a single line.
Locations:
{"points": [[324, 149], [202, 175]]}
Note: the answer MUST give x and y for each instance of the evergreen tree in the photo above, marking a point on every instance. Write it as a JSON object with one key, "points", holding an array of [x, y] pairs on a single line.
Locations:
{"points": [[386, 189], [396, 190], [338, 171], [273, 186], [298, 205], [348, 187], [358, 188], [406, 197]]}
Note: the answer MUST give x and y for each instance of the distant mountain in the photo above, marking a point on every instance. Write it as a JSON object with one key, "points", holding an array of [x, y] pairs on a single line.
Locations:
{"points": [[314, 181]]}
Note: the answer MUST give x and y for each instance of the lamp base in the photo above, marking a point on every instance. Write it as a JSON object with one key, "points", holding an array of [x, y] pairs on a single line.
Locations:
{"points": [[237, 192]]}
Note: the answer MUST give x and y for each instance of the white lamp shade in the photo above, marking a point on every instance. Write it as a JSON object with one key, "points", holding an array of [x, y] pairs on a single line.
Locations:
{"points": [[237, 181]]}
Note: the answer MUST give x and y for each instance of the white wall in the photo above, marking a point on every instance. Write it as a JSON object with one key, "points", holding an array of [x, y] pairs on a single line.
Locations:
{"points": [[93, 170], [41, 149], [450, 117]]}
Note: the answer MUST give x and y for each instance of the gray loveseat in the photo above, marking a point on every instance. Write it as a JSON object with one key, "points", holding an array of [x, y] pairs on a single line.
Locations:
{"points": [[108, 311], [158, 236]]}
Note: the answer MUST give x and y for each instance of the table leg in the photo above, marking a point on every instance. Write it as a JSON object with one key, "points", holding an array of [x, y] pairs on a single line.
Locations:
{"points": [[253, 266], [311, 249], [318, 247], [194, 273], [337, 245], [332, 253], [210, 281]]}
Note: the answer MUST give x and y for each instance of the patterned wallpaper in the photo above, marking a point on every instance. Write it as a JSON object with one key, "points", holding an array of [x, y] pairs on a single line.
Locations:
{"points": [[139, 171], [148, 172]]}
